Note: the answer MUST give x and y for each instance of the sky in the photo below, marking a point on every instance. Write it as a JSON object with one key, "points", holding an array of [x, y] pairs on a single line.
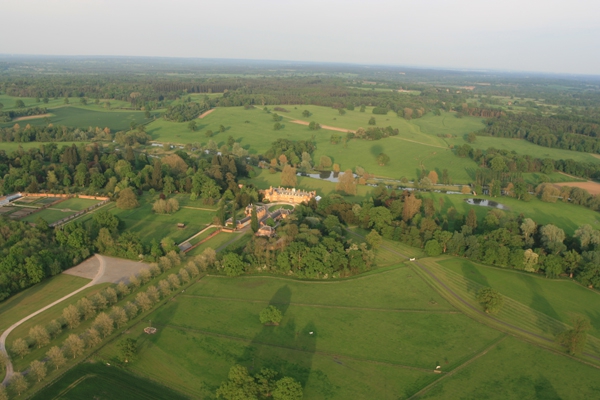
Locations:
{"points": [[512, 35]]}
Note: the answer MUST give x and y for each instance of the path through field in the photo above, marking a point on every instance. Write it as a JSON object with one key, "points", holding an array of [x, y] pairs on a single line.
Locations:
{"points": [[205, 113]]}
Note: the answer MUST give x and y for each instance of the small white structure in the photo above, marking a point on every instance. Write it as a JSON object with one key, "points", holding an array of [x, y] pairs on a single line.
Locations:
{"points": [[310, 333], [412, 259]]}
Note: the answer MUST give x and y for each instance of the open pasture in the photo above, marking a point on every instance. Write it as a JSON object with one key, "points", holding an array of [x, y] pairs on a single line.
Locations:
{"points": [[61, 210], [215, 324], [538, 374], [414, 149], [149, 225], [564, 215]]}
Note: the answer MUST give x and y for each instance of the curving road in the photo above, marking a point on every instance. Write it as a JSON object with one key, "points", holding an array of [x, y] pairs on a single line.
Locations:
{"points": [[9, 366]]}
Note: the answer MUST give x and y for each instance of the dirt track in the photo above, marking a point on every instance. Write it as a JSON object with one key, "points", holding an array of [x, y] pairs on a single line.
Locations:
{"points": [[31, 117], [329, 128], [204, 114]]}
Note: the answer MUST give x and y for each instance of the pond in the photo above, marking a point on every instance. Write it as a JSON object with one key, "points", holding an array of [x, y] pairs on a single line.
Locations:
{"points": [[324, 175], [486, 203]]}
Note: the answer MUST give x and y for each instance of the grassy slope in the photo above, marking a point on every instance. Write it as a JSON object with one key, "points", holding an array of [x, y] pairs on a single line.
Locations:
{"points": [[566, 216], [30, 300], [539, 374], [555, 298]]}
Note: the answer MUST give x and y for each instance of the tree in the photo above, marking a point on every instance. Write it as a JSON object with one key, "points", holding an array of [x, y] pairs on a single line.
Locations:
{"points": [[287, 389], [19, 104], [288, 176], [18, 383], [128, 348], [374, 239], [471, 221], [38, 369], [56, 357], [104, 324], [239, 386], [433, 248], [156, 181], [270, 316], [471, 137], [75, 345], [306, 113], [574, 339], [143, 301], [552, 238], [491, 300], [254, 220], [314, 126], [119, 316], [412, 205], [192, 126], [383, 159], [232, 264], [40, 335], [372, 121], [346, 183], [92, 338], [20, 347], [127, 199], [325, 163], [277, 126], [3, 394], [433, 177]]}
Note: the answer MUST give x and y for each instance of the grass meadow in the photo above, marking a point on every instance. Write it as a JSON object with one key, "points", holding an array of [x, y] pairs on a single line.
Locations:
{"points": [[538, 374], [215, 324], [58, 212]]}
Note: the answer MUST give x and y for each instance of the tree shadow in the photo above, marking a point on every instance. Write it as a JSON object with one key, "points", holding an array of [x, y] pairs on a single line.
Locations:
{"points": [[540, 304], [544, 389], [376, 149], [473, 276], [286, 348]]}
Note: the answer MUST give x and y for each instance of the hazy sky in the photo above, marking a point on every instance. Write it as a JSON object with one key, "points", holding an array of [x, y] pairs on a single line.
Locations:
{"points": [[520, 35]]}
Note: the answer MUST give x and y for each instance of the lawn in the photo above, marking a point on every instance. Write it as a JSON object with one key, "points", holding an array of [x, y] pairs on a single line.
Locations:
{"points": [[101, 382], [558, 299], [215, 325], [149, 225], [564, 215], [49, 215], [215, 242], [30, 300], [538, 374]]}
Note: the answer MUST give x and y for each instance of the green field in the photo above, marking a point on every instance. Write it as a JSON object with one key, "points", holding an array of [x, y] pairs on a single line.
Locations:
{"points": [[217, 317], [215, 242], [556, 298], [149, 225], [30, 300], [101, 382], [566, 216], [539, 374], [84, 117]]}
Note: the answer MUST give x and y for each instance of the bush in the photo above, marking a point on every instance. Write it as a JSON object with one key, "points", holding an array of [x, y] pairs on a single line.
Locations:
{"points": [[491, 300]]}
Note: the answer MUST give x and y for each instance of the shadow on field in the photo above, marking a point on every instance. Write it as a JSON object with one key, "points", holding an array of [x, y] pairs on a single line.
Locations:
{"points": [[544, 389], [473, 275], [376, 150], [287, 348], [539, 303]]}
